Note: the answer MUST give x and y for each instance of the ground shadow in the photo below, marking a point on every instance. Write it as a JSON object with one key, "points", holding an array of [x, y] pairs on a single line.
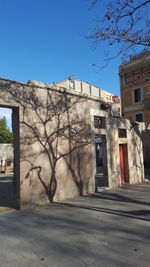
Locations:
{"points": [[134, 214], [118, 197]]}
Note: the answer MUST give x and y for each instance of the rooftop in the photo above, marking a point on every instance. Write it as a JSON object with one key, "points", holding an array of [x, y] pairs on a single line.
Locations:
{"points": [[132, 58]]}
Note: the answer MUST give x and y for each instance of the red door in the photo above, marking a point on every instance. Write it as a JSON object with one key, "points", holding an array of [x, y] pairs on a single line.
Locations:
{"points": [[121, 163], [124, 173]]}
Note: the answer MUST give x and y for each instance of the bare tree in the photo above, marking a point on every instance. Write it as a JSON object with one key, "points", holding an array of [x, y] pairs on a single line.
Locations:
{"points": [[125, 23]]}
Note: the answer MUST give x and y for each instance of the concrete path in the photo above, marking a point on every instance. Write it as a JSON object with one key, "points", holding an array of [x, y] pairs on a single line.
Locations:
{"points": [[110, 228]]}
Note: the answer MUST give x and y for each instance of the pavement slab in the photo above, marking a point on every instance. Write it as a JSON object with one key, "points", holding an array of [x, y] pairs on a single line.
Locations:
{"points": [[110, 228]]}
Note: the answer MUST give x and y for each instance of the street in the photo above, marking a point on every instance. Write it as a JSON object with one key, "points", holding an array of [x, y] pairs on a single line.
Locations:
{"points": [[111, 228]]}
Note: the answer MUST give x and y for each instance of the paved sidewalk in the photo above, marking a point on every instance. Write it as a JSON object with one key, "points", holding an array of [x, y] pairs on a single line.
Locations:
{"points": [[110, 228]]}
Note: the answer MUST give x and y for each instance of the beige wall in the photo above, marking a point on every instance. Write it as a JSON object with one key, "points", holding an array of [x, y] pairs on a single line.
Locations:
{"points": [[134, 146], [82, 87], [55, 149], [86, 88], [107, 97]]}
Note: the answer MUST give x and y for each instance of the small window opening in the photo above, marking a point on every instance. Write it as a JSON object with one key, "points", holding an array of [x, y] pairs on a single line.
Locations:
{"points": [[139, 117], [137, 95], [122, 133], [71, 84], [99, 122]]}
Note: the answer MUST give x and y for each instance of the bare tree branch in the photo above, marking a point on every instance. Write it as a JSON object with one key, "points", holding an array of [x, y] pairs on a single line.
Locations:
{"points": [[125, 23]]}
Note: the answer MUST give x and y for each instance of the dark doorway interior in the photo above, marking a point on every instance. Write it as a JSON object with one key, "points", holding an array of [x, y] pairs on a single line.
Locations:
{"points": [[146, 153], [99, 157], [9, 160], [6, 190], [101, 161]]}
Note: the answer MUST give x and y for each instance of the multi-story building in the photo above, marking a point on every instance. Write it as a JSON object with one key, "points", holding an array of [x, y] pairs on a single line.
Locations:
{"points": [[135, 87], [87, 88]]}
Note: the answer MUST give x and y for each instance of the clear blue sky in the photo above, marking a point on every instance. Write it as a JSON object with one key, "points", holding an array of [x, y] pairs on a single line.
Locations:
{"points": [[5, 112], [45, 40]]}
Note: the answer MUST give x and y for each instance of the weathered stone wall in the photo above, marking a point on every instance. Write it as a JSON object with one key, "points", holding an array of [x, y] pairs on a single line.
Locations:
{"points": [[54, 143], [134, 149]]}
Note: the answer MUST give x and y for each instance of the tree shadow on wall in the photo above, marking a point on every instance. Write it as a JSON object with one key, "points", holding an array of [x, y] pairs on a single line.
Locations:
{"points": [[51, 121], [77, 163]]}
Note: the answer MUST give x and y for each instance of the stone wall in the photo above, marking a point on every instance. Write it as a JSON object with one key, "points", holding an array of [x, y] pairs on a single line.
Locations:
{"points": [[54, 143]]}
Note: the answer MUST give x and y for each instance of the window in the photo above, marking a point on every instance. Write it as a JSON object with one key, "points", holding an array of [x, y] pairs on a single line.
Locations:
{"points": [[108, 97], [122, 133], [137, 95], [71, 84], [139, 117], [99, 122]]}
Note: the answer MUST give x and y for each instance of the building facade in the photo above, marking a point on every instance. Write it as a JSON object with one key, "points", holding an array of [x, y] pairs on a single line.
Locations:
{"points": [[135, 87], [89, 89], [67, 143]]}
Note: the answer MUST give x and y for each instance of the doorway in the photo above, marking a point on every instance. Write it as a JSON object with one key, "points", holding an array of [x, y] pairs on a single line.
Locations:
{"points": [[124, 170], [9, 158], [101, 161], [146, 152]]}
